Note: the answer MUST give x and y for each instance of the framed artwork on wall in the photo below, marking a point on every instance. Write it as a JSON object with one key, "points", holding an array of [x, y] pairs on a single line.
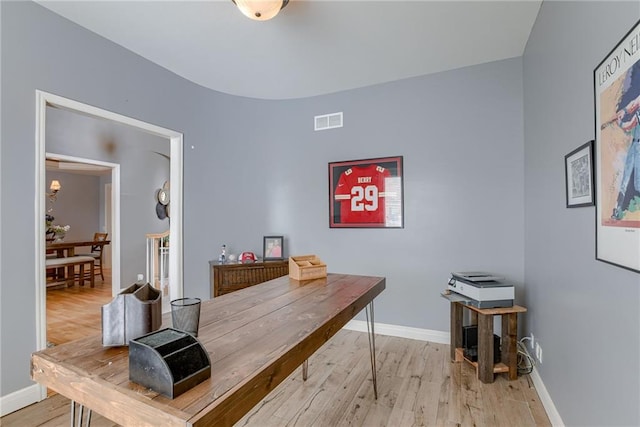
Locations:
{"points": [[578, 168], [273, 248], [617, 153], [366, 193]]}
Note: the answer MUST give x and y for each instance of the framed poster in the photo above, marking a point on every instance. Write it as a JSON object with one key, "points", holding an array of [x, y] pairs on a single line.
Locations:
{"points": [[366, 193], [617, 120], [578, 174]]}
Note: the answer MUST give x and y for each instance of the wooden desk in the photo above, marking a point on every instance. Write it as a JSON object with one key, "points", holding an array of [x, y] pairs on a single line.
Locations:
{"points": [[68, 248], [227, 278], [485, 367], [255, 338]]}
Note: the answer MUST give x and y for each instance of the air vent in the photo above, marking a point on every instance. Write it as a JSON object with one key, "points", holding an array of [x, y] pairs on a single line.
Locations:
{"points": [[328, 121]]}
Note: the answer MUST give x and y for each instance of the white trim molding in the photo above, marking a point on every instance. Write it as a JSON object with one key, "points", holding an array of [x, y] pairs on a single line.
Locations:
{"points": [[545, 398], [19, 399], [401, 331], [44, 100]]}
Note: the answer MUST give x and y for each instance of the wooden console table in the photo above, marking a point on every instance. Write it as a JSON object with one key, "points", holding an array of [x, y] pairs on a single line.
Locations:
{"points": [[227, 278], [483, 317], [255, 338]]}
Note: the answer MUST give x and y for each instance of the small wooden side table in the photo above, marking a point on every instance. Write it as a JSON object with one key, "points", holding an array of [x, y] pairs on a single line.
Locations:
{"points": [[483, 317]]}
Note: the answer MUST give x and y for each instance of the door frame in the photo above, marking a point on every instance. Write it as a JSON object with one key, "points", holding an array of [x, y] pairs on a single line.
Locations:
{"points": [[108, 220], [44, 100], [114, 235]]}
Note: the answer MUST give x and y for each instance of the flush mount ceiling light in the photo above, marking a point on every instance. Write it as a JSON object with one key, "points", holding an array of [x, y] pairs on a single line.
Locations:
{"points": [[260, 10]]}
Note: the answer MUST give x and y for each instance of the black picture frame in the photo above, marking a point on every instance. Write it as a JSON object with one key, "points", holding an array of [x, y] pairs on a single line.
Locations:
{"points": [[273, 248], [578, 175], [366, 193], [616, 82]]}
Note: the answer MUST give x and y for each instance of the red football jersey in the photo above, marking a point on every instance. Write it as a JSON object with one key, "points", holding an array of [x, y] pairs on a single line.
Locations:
{"points": [[361, 192]]}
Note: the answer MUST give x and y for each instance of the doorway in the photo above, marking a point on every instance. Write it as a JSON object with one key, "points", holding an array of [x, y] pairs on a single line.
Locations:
{"points": [[45, 100], [102, 220]]}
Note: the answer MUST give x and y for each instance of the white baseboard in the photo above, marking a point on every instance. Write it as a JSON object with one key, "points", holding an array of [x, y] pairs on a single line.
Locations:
{"points": [[401, 331], [545, 398], [444, 338], [19, 399]]}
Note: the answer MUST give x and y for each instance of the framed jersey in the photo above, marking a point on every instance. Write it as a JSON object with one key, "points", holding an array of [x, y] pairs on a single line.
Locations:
{"points": [[366, 193]]}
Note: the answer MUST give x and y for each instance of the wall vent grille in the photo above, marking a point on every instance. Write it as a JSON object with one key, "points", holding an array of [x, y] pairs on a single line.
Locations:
{"points": [[328, 121]]}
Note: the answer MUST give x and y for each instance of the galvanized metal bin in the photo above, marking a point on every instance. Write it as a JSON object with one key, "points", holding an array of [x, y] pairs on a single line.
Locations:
{"points": [[134, 312], [168, 361]]}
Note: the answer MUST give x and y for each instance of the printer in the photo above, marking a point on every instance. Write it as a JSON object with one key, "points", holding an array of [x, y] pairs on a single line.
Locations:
{"points": [[482, 290]]}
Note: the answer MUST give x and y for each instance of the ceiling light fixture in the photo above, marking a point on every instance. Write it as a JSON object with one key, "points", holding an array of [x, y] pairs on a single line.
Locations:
{"points": [[260, 10]]}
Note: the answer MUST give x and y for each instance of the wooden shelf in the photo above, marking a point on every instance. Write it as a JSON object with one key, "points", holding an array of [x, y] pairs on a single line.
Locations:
{"points": [[498, 368], [484, 319]]}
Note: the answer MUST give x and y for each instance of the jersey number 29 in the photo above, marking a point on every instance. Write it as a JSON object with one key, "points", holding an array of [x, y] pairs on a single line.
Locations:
{"points": [[364, 198]]}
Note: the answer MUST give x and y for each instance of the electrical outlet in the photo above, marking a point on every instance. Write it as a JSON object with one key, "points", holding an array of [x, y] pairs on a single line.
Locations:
{"points": [[533, 342], [540, 355]]}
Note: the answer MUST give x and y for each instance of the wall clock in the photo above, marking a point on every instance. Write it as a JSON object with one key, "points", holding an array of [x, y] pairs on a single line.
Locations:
{"points": [[163, 194]]}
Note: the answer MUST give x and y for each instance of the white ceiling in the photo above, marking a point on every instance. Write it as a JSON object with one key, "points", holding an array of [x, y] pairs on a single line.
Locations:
{"points": [[312, 47]]}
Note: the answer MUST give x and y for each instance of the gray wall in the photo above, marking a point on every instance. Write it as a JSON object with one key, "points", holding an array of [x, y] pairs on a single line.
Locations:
{"points": [[254, 168], [77, 204], [583, 312], [460, 133], [142, 173], [41, 50]]}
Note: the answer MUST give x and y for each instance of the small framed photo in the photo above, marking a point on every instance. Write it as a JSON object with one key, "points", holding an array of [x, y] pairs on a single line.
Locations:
{"points": [[273, 248], [579, 176], [366, 193]]}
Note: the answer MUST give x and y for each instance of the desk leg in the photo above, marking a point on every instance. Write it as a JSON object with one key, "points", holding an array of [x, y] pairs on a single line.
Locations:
{"points": [[80, 414], [372, 347], [509, 343], [485, 348], [456, 329]]}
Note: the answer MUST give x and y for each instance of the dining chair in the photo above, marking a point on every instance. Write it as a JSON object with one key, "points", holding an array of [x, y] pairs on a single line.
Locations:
{"points": [[96, 253]]}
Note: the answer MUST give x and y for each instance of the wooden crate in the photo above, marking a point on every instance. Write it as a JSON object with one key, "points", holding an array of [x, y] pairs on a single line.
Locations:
{"points": [[306, 267]]}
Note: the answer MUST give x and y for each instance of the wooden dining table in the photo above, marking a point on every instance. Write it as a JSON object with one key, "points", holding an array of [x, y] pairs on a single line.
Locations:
{"points": [[67, 248], [255, 338]]}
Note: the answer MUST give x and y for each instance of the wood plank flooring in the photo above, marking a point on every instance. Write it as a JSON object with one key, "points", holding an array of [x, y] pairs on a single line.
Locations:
{"points": [[73, 313], [417, 383]]}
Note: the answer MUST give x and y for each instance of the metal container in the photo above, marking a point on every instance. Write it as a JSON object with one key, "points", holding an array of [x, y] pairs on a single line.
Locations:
{"points": [[134, 312], [168, 361]]}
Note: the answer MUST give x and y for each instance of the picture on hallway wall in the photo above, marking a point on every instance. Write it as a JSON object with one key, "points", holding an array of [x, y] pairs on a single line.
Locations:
{"points": [[617, 153], [578, 167], [366, 193]]}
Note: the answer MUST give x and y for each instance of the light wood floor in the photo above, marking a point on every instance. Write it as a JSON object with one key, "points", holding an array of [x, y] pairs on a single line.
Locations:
{"points": [[74, 313], [417, 383]]}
